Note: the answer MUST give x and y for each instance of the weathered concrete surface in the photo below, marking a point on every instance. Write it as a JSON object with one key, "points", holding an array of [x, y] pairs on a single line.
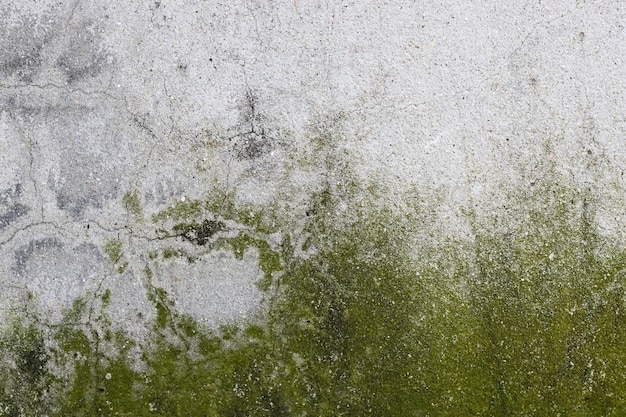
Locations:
{"points": [[112, 112]]}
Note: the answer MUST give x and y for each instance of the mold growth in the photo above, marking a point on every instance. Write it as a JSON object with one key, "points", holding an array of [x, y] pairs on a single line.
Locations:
{"points": [[524, 317], [198, 233], [132, 204], [113, 249], [25, 383]]}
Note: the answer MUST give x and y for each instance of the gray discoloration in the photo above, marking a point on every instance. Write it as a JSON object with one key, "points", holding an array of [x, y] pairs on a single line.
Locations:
{"points": [[84, 56], [23, 39], [164, 191], [10, 209], [87, 175], [253, 139], [74, 201], [83, 161], [252, 145], [83, 181], [56, 272], [12, 214], [24, 255], [35, 44]]}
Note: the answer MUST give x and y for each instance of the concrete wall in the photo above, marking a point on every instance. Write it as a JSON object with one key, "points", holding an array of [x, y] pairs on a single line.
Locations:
{"points": [[176, 174]]}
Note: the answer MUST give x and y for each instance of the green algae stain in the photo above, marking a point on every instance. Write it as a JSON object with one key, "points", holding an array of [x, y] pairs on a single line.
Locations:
{"points": [[169, 253], [198, 233], [132, 204], [24, 375], [525, 320], [162, 303], [96, 357], [269, 260], [535, 308], [522, 323], [183, 210], [113, 248], [348, 343], [106, 298], [121, 268]]}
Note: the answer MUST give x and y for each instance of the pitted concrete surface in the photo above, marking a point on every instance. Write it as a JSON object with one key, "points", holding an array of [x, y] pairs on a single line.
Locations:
{"points": [[258, 207], [177, 101]]}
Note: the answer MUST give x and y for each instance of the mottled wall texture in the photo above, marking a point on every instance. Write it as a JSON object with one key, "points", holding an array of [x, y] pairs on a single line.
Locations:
{"points": [[312, 208]]}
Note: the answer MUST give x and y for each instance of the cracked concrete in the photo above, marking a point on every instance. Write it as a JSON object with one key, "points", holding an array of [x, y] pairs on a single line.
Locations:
{"points": [[221, 101]]}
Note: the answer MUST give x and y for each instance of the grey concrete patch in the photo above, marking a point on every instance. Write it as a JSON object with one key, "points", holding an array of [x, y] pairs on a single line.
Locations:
{"points": [[55, 273], [213, 289]]}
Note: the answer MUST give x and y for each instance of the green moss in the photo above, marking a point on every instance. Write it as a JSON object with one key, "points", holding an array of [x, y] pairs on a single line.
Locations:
{"points": [[255, 332], [100, 383], [513, 326], [347, 326], [198, 233], [113, 248], [77, 311], [258, 220], [133, 204], [170, 253], [528, 317], [106, 298], [209, 345], [163, 303], [269, 260], [24, 371], [183, 210], [122, 268], [229, 331]]}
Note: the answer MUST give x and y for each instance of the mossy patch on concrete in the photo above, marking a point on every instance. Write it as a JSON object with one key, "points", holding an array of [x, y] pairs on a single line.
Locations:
{"points": [[25, 380], [269, 260], [182, 210], [526, 316], [529, 322], [113, 248], [198, 233], [132, 204]]}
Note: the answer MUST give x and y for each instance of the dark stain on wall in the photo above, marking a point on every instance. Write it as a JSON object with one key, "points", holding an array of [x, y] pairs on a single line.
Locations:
{"points": [[10, 209], [84, 57], [253, 139], [32, 43], [25, 253], [23, 41]]}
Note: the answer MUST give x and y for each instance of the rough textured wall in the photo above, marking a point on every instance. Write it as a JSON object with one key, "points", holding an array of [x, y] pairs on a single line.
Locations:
{"points": [[312, 208]]}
